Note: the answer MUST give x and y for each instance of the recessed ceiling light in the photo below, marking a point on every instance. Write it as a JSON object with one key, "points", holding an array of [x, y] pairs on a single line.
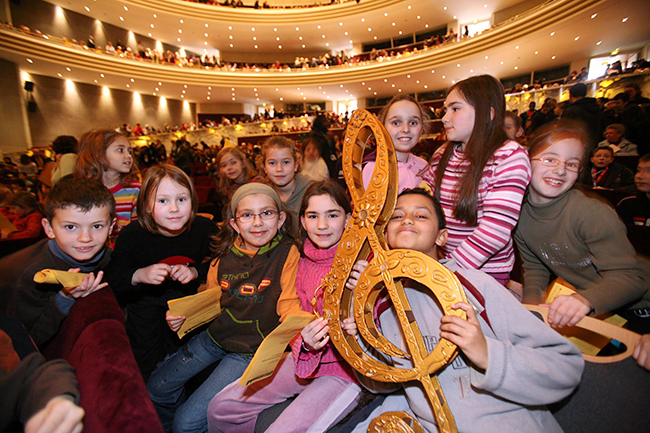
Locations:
{"points": [[516, 67], [277, 38], [132, 80], [418, 17], [281, 99], [128, 85], [121, 18], [426, 87], [443, 77], [400, 32], [252, 28], [254, 38], [67, 69], [553, 57], [517, 47], [208, 98], [363, 20], [552, 33], [59, 74], [149, 34], [206, 25], [536, 52], [231, 45], [375, 93], [101, 75], [279, 47], [487, 57], [275, 29], [205, 34], [393, 24], [230, 36], [87, 8], [599, 42], [30, 60], [319, 27], [159, 83], [303, 45], [96, 81], [157, 89], [369, 29], [126, 9], [409, 7], [433, 71], [151, 25], [178, 39], [624, 20], [594, 16], [181, 21], [458, 65], [256, 46], [576, 38]]}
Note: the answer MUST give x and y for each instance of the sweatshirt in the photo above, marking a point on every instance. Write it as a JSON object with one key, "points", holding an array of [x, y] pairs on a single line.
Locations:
{"points": [[581, 240]]}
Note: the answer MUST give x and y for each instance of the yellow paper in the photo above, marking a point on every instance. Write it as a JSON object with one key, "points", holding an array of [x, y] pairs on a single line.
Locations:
{"points": [[588, 342], [198, 309], [270, 351], [6, 226], [69, 280]]}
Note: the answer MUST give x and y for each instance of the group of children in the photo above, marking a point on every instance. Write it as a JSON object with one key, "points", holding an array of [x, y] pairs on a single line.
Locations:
{"points": [[511, 364]]}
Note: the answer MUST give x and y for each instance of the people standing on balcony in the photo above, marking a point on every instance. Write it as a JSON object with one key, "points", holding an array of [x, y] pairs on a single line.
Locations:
{"points": [[480, 178]]}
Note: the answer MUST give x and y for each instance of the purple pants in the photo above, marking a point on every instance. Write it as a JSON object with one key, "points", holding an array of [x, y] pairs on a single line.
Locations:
{"points": [[320, 402]]}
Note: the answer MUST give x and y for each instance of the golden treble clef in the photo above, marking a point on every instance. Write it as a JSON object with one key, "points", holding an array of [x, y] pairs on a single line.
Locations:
{"points": [[363, 235]]}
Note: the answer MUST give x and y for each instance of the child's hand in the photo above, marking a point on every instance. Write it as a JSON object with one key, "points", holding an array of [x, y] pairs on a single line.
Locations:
{"points": [[183, 274], [88, 285], [466, 334], [59, 415], [174, 322], [154, 274], [567, 310], [315, 335], [356, 272], [642, 351], [350, 326]]}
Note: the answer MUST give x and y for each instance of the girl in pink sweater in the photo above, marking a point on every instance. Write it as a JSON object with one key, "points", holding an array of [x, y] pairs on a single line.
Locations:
{"points": [[322, 382]]}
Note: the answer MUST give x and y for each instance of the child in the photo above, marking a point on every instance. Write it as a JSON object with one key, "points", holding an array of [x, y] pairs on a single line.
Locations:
{"points": [[636, 210], [255, 273], [404, 119], [563, 233], [25, 216], [105, 156], [604, 173], [313, 165], [282, 168], [316, 370], [513, 128], [79, 215], [158, 259], [510, 363], [235, 170], [480, 178]]}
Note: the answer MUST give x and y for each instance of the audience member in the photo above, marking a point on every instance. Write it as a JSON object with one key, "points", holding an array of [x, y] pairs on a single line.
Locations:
{"points": [[605, 173], [636, 210], [614, 138], [586, 110]]}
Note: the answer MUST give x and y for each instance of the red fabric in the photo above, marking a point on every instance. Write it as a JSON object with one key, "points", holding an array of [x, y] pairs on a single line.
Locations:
{"points": [[28, 226], [113, 394]]}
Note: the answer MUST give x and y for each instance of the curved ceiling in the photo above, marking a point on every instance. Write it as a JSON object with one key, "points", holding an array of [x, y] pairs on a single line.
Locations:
{"points": [[557, 33]]}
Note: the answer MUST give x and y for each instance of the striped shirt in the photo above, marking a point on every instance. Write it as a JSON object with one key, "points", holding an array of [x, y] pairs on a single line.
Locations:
{"points": [[488, 245], [126, 199]]}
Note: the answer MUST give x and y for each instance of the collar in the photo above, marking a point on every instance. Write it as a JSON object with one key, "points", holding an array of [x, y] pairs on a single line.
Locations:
{"points": [[87, 266]]}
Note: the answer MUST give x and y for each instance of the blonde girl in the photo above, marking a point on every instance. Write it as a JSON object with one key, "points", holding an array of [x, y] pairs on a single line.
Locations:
{"points": [[480, 177], [405, 121], [235, 170], [106, 156], [159, 258], [254, 272]]}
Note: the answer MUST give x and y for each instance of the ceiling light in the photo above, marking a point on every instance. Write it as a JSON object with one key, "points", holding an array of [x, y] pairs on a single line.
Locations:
{"points": [[517, 47], [375, 93], [552, 33], [485, 6], [279, 47], [205, 34], [599, 42], [128, 85], [67, 69], [252, 28], [487, 57], [363, 20], [208, 98], [231, 45], [319, 27], [157, 89], [400, 32], [96, 81], [206, 25], [121, 18], [624, 20], [553, 57], [132, 80], [516, 67], [418, 17], [149, 34], [594, 16], [101, 75], [254, 38], [151, 25], [369, 29], [278, 38], [346, 33], [126, 9], [256, 46], [178, 39], [426, 87], [281, 99], [303, 45], [409, 7], [59, 74], [297, 29], [30, 60], [433, 71], [155, 16], [458, 65], [536, 52], [576, 38], [393, 24], [87, 8]]}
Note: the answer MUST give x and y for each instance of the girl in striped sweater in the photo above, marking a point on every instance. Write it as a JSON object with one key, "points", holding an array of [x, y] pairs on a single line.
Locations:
{"points": [[480, 177], [105, 155]]}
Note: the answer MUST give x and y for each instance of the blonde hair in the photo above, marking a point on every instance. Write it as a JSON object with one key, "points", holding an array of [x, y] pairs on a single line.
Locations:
{"points": [[150, 185], [224, 183], [280, 142]]}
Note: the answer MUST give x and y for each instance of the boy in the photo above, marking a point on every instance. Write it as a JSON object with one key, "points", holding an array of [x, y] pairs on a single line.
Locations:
{"points": [[80, 214], [636, 210], [604, 173], [508, 367]]}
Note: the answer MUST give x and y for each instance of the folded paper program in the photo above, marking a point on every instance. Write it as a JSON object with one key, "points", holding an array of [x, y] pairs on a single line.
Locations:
{"points": [[69, 280]]}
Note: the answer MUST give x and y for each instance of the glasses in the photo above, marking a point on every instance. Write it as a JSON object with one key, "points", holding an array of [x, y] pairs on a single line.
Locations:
{"points": [[249, 217], [554, 162]]}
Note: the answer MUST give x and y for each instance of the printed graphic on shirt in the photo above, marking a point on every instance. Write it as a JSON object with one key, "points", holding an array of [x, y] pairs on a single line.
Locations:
{"points": [[177, 260], [246, 291], [558, 255]]}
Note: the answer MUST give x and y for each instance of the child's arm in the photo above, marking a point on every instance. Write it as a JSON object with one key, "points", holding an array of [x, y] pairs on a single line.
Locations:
{"points": [[501, 209], [288, 302], [642, 351]]}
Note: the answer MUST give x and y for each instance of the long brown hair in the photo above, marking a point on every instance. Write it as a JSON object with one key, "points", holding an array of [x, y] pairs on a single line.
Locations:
{"points": [[91, 157], [486, 94], [249, 172]]}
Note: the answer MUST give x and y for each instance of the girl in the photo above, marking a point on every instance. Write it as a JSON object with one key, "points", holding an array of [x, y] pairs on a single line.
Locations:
{"points": [[316, 370], [105, 156], [480, 178], [312, 164], [255, 266], [235, 170], [159, 259], [404, 119], [24, 215], [513, 128], [282, 168], [563, 233]]}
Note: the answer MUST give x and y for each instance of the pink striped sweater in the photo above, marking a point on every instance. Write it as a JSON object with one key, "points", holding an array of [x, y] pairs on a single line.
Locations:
{"points": [[327, 361], [488, 245]]}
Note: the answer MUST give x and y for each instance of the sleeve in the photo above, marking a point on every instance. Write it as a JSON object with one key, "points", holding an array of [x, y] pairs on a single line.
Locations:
{"points": [[625, 210], [622, 281], [528, 362], [289, 303], [627, 180], [536, 275], [33, 383], [124, 262], [367, 173], [305, 363], [213, 277], [501, 209], [39, 312], [32, 227]]}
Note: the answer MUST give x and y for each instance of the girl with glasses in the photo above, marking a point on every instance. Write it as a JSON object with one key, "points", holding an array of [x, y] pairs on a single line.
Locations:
{"points": [[562, 232]]}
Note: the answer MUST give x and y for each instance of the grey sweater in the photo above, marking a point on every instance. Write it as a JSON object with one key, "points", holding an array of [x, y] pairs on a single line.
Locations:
{"points": [[581, 240], [529, 364]]}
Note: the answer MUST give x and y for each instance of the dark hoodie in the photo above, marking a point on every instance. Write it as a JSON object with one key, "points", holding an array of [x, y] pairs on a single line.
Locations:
{"points": [[589, 112]]}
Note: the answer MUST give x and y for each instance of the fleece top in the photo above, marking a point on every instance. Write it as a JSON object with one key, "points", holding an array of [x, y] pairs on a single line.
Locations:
{"points": [[581, 240]]}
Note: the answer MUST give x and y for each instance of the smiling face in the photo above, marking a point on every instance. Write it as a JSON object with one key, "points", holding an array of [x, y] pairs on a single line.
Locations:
{"points": [[172, 207], [602, 158], [414, 226], [280, 166], [232, 167], [81, 235], [548, 183], [260, 231], [404, 124], [118, 154], [459, 118], [324, 221]]}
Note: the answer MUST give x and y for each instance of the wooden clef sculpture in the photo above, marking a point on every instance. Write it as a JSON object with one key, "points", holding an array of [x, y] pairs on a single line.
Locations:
{"points": [[363, 235]]}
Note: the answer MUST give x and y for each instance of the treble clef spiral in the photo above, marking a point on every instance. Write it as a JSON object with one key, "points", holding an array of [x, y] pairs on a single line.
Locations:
{"points": [[363, 235]]}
